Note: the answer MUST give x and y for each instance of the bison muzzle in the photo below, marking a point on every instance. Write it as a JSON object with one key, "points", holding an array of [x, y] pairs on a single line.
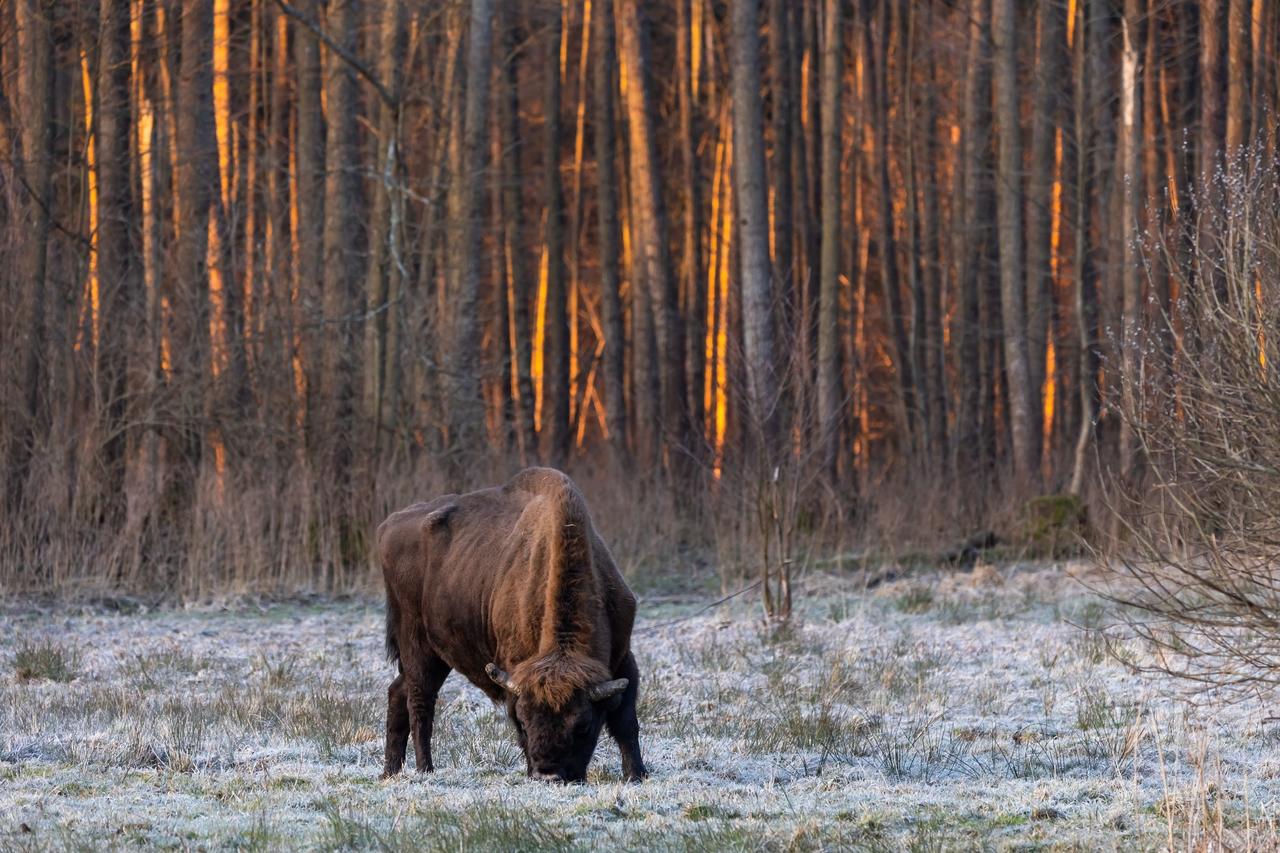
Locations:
{"points": [[512, 587]]}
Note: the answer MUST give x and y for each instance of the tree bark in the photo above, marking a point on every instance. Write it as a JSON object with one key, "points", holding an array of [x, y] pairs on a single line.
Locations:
{"points": [[1044, 124], [1131, 177], [693, 269], [309, 151], [518, 262], [35, 101], [118, 256], [466, 406], [602, 92], [555, 373], [652, 245], [829, 386], [343, 222], [383, 272], [1009, 212]]}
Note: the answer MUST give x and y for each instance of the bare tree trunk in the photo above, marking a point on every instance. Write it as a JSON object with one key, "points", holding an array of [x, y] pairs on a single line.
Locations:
{"points": [[1009, 211], [692, 269], [1044, 121], [750, 191], [973, 229], [197, 185], [1085, 298], [876, 51], [1239, 44], [555, 374], [646, 186], [829, 390], [35, 102], [343, 221], [309, 148], [383, 271], [1131, 177], [118, 255], [780, 61], [466, 406], [935, 278], [513, 216], [603, 82]]}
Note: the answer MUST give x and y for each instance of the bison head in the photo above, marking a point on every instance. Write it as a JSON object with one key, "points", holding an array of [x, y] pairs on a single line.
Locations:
{"points": [[557, 719]]}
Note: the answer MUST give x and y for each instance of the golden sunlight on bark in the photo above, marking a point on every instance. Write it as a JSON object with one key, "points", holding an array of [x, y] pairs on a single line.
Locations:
{"points": [[89, 303]]}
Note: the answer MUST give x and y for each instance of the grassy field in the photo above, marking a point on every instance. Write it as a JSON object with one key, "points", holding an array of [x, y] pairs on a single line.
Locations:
{"points": [[940, 712]]}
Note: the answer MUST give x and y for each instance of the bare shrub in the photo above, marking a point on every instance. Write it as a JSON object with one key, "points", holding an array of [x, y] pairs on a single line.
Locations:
{"points": [[1200, 556]]}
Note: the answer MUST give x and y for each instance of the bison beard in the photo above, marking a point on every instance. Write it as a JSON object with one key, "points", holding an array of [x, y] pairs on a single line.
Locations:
{"points": [[513, 588]]}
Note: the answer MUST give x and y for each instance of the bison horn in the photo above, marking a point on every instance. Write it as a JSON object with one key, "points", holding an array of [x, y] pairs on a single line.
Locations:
{"points": [[606, 689], [500, 677]]}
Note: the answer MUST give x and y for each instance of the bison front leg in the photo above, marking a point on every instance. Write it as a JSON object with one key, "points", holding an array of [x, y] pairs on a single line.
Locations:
{"points": [[422, 709], [397, 727], [623, 725]]}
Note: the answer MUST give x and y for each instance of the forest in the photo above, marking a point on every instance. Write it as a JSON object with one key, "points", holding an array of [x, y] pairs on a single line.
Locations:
{"points": [[791, 274]]}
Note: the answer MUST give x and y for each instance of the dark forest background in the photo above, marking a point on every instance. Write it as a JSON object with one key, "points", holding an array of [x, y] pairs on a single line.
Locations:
{"points": [[774, 279]]}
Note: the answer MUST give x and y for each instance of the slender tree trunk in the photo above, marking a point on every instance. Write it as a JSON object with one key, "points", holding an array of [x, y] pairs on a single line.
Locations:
{"points": [[1131, 187], [1239, 45], [197, 185], [1085, 284], [935, 279], [555, 374], [343, 221], [1009, 211], [974, 230], [602, 91], [646, 186], [309, 150], [383, 270], [118, 257], [784, 140], [876, 51], [829, 390], [513, 215], [693, 269], [466, 406], [1044, 121], [35, 101], [750, 190]]}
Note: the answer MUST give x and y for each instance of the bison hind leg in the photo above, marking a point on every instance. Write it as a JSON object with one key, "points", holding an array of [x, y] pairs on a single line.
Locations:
{"points": [[397, 727]]}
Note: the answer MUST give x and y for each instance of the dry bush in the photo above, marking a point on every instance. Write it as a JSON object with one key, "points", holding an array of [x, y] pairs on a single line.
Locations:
{"points": [[1200, 560]]}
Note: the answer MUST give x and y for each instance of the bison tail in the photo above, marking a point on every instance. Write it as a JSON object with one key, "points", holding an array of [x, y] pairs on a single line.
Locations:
{"points": [[393, 626]]}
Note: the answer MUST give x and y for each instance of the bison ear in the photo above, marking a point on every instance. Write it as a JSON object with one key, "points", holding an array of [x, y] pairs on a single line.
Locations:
{"points": [[606, 689], [501, 678], [438, 516]]}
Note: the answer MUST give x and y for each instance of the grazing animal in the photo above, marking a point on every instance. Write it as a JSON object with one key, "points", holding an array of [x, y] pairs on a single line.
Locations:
{"points": [[512, 587]]}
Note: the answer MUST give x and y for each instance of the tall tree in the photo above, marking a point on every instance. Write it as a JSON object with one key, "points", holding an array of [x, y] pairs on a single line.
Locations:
{"points": [[602, 94], [119, 269], [972, 231], [750, 192], [466, 407], [1131, 187], [343, 221], [829, 386], [651, 224], [1050, 66], [384, 266], [509, 140], [1009, 211], [693, 270], [309, 163], [35, 101], [555, 373]]}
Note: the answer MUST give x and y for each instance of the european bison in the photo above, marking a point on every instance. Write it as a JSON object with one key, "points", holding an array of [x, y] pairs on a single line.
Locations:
{"points": [[512, 587]]}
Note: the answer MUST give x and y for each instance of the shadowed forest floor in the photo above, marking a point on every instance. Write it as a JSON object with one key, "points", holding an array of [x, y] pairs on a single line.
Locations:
{"points": [[937, 712]]}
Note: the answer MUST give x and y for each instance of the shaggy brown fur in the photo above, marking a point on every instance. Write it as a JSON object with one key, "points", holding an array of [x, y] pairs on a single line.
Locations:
{"points": [[516, 577]]}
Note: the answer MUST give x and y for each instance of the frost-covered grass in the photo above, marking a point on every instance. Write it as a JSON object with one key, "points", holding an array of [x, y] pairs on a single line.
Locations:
{"points": [[939, 712]]}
